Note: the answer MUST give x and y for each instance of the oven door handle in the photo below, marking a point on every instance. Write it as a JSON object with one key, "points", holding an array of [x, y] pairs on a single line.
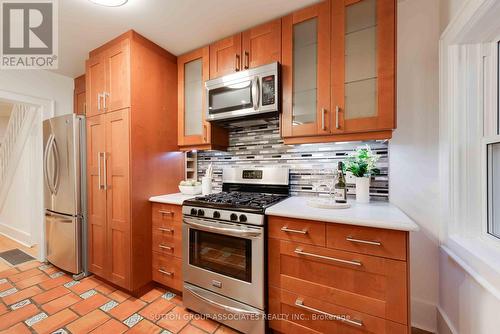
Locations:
{"points": [[223, 230], [219, 305]]}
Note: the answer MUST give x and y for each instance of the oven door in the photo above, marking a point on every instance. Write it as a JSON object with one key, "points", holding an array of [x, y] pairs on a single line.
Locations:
{"points": [[225, 258], [234, 98]]}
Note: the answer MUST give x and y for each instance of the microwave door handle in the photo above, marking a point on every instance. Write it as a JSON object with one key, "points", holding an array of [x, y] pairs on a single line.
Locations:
{"points": [[256, 93]]}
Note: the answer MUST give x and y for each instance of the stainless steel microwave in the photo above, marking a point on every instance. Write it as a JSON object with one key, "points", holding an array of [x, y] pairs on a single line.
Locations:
{"points": [[249, 93]]}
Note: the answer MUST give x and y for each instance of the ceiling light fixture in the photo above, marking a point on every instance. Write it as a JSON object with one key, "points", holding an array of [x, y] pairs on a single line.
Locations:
{"points": [[109, 3]]}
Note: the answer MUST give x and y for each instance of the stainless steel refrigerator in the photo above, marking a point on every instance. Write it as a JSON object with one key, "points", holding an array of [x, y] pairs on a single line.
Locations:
{"points": [[64, 192]]}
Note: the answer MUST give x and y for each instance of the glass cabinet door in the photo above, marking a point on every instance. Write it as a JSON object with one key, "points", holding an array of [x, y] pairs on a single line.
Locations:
{"points": [[363, 57], [306, 71]]}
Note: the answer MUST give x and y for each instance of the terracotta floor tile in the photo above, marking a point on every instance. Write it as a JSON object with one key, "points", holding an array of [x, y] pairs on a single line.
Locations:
{"points": [[88, 322], [24, 274], [32, 281], [104, 288], [191, 330], [3, 309], [60, 303], [52, 294], [225, 330], [119, 296], [28, 265], [6, 286], [85, 285], [50, 270], [8, 272], [20, 295], [92, 303], [21, 314], [53, 282], [20, 328], [206, 324], [55, 321], [144, 327], [156, 310], [127, 308], [151, 295], [112, 326], [175, 320]]}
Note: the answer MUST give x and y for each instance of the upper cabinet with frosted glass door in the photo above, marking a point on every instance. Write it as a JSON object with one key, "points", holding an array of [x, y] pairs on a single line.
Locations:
{"points": [[306, 72], [193, 131], [363, 66]]}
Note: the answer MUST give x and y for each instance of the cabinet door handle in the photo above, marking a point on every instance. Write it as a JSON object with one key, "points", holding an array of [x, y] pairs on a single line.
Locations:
{"points": [[164, 272], [99, 154], [163, 229], [360, 241], [300, 303], [104, 96], [299, 251], [166, 247], [247, 60], [323, 112], [289, 230], [337, 124], [105, 172], [205, 133], [237, 63], [164, 212]]}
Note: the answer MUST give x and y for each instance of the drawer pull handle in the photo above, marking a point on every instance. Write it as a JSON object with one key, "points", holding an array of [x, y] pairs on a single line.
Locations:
{"points": [[301, 252], [164, 212], [163, 229], [166, 247], [359, 241], [300, 303], [289, 230], [164, 272]]}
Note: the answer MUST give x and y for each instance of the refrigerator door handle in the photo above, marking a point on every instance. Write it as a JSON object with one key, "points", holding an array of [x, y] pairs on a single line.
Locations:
{"points": [[57, 165], [65, 219], [45, 163]]}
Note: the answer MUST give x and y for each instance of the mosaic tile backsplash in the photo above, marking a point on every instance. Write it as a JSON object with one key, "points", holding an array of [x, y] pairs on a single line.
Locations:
{"points": [[261, 145]]}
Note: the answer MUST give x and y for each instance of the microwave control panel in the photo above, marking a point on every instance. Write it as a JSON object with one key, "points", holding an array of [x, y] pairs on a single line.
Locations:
{"points": [[268, 90]]}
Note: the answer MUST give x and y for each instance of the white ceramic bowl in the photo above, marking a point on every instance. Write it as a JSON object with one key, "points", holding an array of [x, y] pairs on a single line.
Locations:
{"points": [[190, 190]]}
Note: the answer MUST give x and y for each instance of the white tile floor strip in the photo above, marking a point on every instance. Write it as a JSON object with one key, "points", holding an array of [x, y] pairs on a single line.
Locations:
{"points": [[72, 283], [8, 292], [168, 295], [36, 318], [56, 274], [132, 320], [88, 294], [108, 306], [20, 304]]}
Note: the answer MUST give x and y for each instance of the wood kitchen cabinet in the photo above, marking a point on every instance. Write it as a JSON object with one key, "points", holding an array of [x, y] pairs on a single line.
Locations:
{"points": [[359, 72], [358, 273], [129, 152], [108, 84], [254, 47], [79, 97], [194, 132]]}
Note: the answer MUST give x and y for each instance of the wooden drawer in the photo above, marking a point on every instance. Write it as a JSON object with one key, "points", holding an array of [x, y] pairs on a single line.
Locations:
{"points": [[314, 314], [168, 243], [167, 270], [165, 215], [298, 230], [372, 285], [367, 240]]}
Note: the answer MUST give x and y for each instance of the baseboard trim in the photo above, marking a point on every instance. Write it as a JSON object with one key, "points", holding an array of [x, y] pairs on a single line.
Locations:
{"points": [[423, 315], [444, 325], [17, 235]]}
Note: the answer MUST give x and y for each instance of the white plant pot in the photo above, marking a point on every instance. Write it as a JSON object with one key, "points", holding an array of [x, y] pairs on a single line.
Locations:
{"points": [[363, 189]]}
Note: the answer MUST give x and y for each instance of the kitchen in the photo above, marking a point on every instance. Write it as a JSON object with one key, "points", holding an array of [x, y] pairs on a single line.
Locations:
{"points": [[278, 175]]}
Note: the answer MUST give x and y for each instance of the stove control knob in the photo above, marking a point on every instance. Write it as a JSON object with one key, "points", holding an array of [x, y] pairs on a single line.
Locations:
{"points": [[201, 212], [216, 214], [194, 212], [233, 216], [243, 218]]}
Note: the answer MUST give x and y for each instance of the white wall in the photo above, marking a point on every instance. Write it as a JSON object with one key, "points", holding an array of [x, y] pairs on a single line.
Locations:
{"points": [[413, 164], [4, 121], [41, 84], [465, 306]]}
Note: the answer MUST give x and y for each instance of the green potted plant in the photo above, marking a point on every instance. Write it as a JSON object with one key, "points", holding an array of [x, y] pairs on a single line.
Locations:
{"points": [[361, 163]]}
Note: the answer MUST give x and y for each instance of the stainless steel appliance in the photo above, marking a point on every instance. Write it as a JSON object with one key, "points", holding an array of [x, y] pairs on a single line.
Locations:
{"points": [[224, 247], [251, 93], [64, 192]]}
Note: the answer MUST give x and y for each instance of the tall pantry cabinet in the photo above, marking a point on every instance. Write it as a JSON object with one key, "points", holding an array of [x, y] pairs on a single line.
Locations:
{"points": [[131, 143]]}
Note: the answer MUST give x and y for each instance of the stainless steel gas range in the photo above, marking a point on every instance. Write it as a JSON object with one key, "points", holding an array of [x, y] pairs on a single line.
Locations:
{"points": [[224, 247]]}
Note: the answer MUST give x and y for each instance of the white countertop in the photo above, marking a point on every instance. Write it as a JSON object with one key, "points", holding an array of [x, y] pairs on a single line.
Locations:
{"points": [[373, 214], [176, 198]]}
